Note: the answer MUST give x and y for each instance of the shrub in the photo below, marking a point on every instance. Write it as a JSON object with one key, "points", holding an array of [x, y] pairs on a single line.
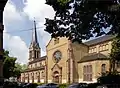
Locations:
{"points": [[63, 85], [40, 83]]}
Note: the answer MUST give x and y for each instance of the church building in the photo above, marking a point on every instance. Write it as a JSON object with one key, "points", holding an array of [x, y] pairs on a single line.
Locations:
{"points": [[67, 62]]}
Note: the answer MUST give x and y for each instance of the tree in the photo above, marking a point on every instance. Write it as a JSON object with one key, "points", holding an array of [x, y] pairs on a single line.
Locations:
{"points": [[18, 69], [10, 67], [82, 19], [24, 67], [115, 54]]}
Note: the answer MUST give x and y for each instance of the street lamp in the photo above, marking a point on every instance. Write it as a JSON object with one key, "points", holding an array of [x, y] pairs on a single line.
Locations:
{"points": [[2, 5]]}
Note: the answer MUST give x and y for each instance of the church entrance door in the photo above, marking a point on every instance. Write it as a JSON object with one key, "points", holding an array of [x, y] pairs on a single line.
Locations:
{"points": [[56, 77]]}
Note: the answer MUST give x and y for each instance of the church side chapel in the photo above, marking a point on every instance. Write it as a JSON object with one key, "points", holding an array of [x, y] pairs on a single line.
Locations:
{"points": [[67, 62]]}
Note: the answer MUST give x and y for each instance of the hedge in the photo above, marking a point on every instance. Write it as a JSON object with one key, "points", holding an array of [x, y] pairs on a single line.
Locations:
{"points": [[40, 83], [63, 85]]}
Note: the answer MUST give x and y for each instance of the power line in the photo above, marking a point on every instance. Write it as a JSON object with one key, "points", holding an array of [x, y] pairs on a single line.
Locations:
{"points": [[22, 30]]}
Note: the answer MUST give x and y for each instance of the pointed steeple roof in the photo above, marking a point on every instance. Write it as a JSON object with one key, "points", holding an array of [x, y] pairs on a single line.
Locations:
{"points": [[34, 34], [34, 42]]}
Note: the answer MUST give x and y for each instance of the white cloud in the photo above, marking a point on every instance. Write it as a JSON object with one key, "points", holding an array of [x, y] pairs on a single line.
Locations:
{"points": [[11, 14], [39, 10], [16, 47], [12, 19], [14, 44]]}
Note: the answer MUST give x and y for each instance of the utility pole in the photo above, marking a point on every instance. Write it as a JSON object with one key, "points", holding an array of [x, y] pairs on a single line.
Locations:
{"points": [[2, 5]]}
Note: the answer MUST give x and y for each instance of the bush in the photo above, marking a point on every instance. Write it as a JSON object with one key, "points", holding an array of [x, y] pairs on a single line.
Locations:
{"points": [[63, 85], [40, 83]]}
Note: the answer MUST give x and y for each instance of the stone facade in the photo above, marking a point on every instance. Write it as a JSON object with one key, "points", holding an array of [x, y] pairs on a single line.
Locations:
{"points": [[67, 62]]}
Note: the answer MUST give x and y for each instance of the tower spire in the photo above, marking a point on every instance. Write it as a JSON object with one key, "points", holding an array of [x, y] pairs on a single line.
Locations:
{"points": [[34, 49], [34, 34]]}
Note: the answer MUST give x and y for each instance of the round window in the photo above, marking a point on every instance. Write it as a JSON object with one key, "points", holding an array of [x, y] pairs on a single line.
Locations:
{"points": [[57, 56]]}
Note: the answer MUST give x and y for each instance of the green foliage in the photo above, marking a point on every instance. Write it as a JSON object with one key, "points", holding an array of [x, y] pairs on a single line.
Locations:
{"points": [[82, 19], [115, 53], [21, 67], [10, 67], [24, 67], [63, 2], [63, 85], [40, 83]]}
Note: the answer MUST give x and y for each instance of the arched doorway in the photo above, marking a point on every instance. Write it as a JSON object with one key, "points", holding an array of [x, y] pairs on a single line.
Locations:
{"points": [[56, 77]]}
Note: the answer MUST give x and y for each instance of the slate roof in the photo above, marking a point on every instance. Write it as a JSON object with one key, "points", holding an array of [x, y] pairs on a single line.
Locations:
{"points": [[92, 57], [35, 69], [99, 40], [37, 60]]}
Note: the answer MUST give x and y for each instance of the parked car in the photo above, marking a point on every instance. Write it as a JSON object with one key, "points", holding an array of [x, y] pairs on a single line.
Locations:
{"points": [[30, 85], [22, 85], [41, 86], [93, 85], [102, 86], [78, 85], [49, 85]]}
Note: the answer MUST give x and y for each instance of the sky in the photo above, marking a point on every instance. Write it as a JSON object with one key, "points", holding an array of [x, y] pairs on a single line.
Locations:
{"points": [[19, 15]]}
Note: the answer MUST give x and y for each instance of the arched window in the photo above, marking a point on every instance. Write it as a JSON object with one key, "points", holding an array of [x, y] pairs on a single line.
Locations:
{"points": [[31, 75], [43, 74], [36, 75], [103, 68]]}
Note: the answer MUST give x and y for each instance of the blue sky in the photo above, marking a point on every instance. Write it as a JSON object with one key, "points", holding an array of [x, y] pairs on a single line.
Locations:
{"points": [[19, 15]]}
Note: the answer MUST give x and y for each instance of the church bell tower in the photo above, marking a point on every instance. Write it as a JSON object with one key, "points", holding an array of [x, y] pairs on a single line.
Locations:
{"points": [[34, 49]]}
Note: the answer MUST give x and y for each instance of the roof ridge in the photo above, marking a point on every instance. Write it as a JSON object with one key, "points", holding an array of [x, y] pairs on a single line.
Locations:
{"points": [[99, 40]]}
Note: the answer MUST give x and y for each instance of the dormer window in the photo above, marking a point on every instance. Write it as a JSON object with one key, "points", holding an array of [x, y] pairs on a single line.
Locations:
{"points": [[56, 41]]}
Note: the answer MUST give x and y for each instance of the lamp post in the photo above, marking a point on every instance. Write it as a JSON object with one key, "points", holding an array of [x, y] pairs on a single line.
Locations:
{"points": [[2, 5]]}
